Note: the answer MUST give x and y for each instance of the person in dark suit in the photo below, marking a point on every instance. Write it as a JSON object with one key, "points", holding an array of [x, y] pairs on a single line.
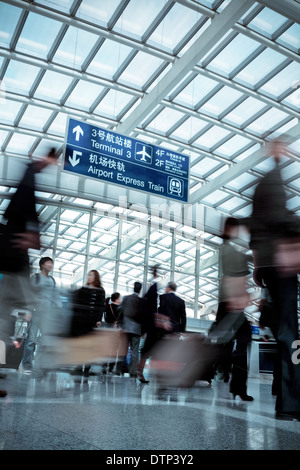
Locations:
{"points": [[173, 307], [149, 328], [270, 222], [130, 316]]}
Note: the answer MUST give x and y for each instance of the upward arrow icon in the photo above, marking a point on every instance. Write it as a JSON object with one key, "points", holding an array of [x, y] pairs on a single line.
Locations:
{"points": [[78, 131]]}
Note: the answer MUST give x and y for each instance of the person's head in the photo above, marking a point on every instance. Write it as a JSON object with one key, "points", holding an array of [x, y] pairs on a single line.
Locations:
{"points": [[93, 278], [46, 264], [116, 298], [231, 228], [50, 159], [137, 287], [171, 287], [278, 148]]}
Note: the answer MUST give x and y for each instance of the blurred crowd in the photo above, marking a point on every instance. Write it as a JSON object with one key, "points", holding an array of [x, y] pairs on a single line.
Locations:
{"points": [[85, 325]]}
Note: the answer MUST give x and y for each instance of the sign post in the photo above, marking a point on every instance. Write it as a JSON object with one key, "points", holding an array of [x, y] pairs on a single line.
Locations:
{"points": [[101, 154]]}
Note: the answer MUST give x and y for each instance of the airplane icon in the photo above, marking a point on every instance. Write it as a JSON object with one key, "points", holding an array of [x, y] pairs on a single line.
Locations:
{"points": [[142, 155]]}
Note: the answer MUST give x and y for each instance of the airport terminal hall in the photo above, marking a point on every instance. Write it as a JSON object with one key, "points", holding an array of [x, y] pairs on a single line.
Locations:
{"points": [[149, 228]]}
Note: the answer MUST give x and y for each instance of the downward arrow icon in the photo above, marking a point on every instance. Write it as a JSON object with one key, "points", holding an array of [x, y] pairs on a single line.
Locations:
{"points": [[74, 160], [78, 131]]}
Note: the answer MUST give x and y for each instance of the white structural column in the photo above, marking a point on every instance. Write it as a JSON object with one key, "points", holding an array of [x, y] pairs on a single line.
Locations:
{"points": [[220, 24]]}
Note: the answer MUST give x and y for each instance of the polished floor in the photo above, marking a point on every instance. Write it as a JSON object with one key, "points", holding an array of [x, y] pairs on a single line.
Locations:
{"points": [[107, 412]]}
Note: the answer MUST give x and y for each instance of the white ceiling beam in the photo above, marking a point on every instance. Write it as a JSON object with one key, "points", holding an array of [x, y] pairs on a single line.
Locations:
{"points": [[239, 168], [215, 31], [287, 8]]}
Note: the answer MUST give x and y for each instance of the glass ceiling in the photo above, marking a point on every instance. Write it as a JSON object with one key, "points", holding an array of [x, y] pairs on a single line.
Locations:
{"points": [[211, 79]]}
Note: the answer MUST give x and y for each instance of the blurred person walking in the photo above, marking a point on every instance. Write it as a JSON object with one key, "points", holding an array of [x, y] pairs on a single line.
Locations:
{"points": [[131, 319], [88, 308], [45, 319], [19, 232], [271, 224], [111, 315], [151, 300], [172, 309], [233, 299]]}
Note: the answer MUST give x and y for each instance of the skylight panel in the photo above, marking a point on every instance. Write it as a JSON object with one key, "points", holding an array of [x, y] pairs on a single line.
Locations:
{"points": [[173, 28], [97, 12], [293, 100], [19, 77], [74, 47], [189, 129], [261, 66], [231, 205], [146, 12], [211, 138], [243, 180], [20, 143], [233, 55], [232, 146], [165, 120], [109, 59], [244, 111], [9, 112], [206, 165], [206, 3], [140, 70], [3, 135], [291, 170], [293, 203], [38, 35], [58, 125], [9, 17], [35, 118], [53, 86], [267, 22], [220, 101], [216, 197], [61, 5], [198, 89], [282, 82], [113, 104], [291, 38], [266, 122], [84, 95]]}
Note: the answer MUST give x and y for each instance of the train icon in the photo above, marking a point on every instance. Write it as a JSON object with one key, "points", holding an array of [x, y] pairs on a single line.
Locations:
{"points": [[175, 186]]}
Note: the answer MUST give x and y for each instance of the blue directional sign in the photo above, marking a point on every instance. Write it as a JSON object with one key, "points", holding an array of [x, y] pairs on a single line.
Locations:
{"points": [[98, 153]]}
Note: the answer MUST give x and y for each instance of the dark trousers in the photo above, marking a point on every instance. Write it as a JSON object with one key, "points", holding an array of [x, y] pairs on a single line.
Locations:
{"points": [[239, 372], [284, 293], [235, 354], [133, 341]]}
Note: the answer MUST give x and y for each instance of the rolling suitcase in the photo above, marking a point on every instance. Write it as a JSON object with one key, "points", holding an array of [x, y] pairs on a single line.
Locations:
{"points": [[179, 362]]}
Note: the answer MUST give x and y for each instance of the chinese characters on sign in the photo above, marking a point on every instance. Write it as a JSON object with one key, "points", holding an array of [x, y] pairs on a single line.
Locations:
{"points": [[102, 154]]}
